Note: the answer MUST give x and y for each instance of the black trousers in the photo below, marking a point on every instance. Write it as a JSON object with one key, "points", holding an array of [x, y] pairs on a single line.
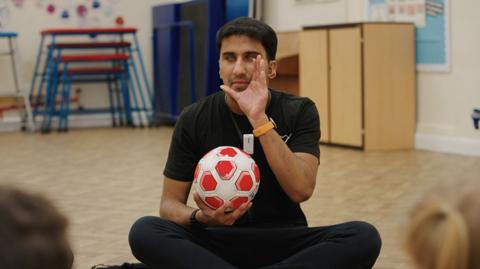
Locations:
{"points": [[161, 243]]}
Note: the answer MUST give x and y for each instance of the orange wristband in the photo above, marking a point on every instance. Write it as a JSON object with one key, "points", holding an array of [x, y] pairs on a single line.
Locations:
{"points": [[263, 129]]}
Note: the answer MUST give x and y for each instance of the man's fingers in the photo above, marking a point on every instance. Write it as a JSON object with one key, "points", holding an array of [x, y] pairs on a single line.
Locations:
{"points": [[259, 75], [255, 69], [262, 78], [226, 207], [261, 67], [196, 197], [261, 63], [256, 66], [229, 90], [241, 210], [199, 202]]}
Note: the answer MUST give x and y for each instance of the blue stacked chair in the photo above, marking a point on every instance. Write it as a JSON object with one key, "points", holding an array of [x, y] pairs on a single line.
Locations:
{"points": [[65, 72], [130, 98]]}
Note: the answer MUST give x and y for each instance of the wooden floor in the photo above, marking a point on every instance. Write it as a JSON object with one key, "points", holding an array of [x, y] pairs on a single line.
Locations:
{"points": [[104, 179]]}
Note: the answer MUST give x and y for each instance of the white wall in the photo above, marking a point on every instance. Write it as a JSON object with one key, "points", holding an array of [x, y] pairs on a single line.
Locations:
{"points": [[445, 100], [286, 15], [29, 20]]}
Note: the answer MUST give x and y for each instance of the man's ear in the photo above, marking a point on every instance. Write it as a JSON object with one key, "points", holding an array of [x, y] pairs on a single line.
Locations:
{"points": [[272, 69]]}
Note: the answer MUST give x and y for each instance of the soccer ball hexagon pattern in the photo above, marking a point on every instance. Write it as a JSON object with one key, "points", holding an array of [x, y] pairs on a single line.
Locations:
{"points": [[226, 174]]}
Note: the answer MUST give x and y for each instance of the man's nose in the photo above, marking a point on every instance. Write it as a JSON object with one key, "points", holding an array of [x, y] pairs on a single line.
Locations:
{"points": [[239, 67]]}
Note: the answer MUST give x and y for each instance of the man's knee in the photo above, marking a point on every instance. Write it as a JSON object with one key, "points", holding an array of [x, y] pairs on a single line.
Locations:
{"points": [[152, 228], [144, 232], [139, 230], [368, 238]]}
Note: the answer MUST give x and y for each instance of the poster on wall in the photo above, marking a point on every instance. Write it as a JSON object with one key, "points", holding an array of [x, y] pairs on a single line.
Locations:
{"points": [[432, 32]]}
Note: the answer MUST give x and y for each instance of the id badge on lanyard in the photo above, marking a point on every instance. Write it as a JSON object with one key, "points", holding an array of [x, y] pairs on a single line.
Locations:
{"points": [[248, 141]]}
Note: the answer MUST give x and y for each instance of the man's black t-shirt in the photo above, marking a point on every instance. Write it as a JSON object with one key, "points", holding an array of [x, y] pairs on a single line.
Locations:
{"points": [[209, 123]]}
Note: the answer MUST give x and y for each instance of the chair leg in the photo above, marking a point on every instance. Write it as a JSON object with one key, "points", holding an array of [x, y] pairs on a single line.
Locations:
{"points": [[126, 100], [120, 107], [142, 68], [139, 89], [64, 100], [36, 102], [111, 100], [28, 108], [135, 100], [67, 102], [50, 97]]}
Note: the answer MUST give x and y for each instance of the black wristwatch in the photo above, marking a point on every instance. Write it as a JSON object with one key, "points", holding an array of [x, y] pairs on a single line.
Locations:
{"points": [[194, 222]]}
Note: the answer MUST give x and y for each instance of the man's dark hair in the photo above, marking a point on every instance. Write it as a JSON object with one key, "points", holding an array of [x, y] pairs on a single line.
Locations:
{"points": [[252, 28], [32, 232]]}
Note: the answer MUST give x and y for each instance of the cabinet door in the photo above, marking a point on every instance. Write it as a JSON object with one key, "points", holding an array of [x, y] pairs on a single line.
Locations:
{"points": [[346, 86], [389, 86], [313, 73]]}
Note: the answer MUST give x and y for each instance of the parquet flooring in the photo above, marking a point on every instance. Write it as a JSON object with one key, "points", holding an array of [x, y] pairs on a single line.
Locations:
{"points": [[104, 179]]}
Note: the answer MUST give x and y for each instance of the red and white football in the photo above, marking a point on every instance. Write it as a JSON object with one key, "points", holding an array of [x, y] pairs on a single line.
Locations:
{"points": [[226, 174]]}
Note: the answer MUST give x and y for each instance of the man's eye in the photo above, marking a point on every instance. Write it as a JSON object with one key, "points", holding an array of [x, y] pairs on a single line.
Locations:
{"points": [[229, 58]]}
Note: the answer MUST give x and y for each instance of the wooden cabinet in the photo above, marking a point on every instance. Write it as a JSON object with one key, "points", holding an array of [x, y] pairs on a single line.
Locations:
{"points": [[362, 78], [287, 63]]}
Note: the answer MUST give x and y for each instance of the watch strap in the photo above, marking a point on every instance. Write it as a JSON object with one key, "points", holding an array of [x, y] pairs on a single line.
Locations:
{"points": [[194, 222]]}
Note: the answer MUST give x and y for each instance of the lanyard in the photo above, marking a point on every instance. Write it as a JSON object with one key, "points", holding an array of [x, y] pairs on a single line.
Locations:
{"points": [[235, 124], [247, 139]]}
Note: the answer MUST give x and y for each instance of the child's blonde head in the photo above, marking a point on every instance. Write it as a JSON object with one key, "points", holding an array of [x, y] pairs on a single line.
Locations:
{"points": [[443, 232]]}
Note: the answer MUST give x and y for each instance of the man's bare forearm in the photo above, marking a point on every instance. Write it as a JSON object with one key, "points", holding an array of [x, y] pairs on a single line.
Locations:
{"points": [[175, 211], [296, 175]]}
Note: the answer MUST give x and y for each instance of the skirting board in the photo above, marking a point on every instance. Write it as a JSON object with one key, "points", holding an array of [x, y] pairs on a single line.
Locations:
{"points": [[448, 144]]}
